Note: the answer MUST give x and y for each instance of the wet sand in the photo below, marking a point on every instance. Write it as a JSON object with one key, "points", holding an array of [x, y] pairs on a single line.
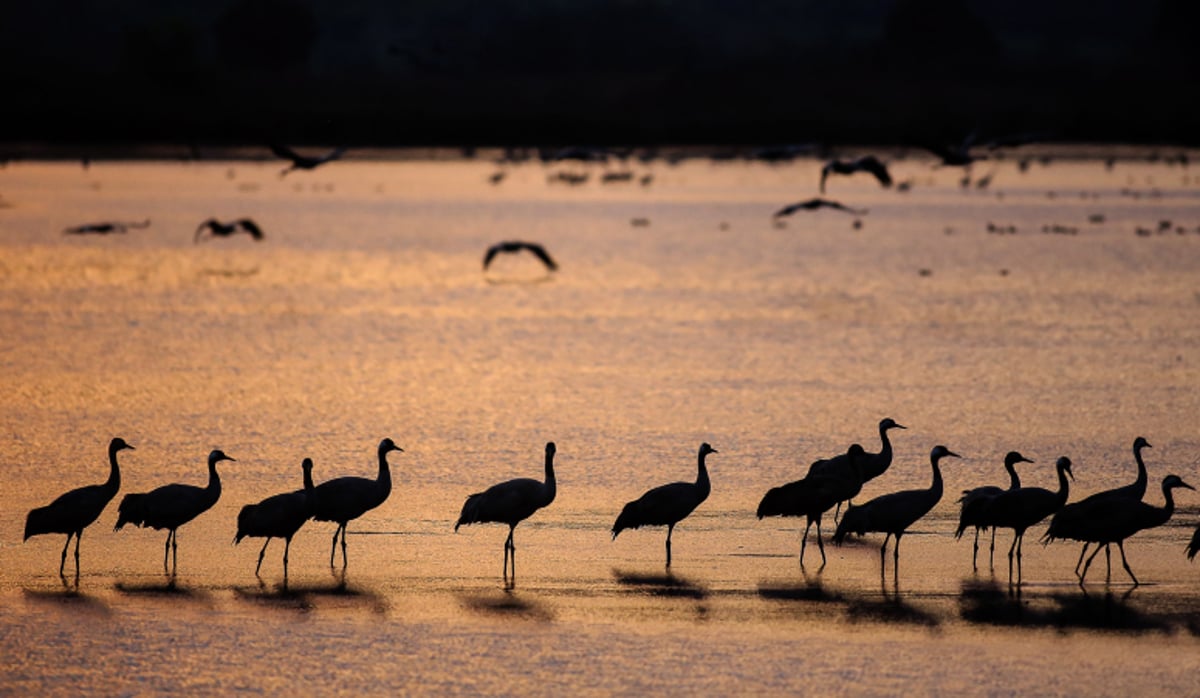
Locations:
{"points": [[365, 314]]}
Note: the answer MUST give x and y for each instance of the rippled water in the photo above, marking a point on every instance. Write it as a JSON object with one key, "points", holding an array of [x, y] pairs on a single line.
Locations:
{"points": [[365, 314]]}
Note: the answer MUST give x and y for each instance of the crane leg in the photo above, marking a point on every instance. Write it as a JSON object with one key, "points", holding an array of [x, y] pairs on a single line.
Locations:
{"points": [[837, 512], [1011, 550], [261, 553], [345, 561], [1108, 562], [820, 545], [174, 552], [167, 552], [1020, 549], [63, 562], [1080, 562], [333, 548], [992, 551], [896, 551], [1120, 546], [1088, 564], [804, 541], [975, 552], [287, 544], [670, 530], [78, 535]]}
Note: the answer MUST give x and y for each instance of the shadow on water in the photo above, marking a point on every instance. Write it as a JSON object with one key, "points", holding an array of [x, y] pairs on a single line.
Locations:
{"points": [[889, 608], [168, 589], [507, 605], [68, 599], [813, 589], [663, 585], [988, 603]]}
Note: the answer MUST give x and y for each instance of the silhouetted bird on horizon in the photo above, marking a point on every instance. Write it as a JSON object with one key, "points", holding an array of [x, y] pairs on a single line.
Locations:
{"points": [[277, 516], [975, 502], [74, 511], [1107, 521], [171, 506], [894, 513], [814, 495], [216, 228], [511, 502], [866, 163], [514, 246], [667, 505], [304, 162], [105, 227], [344, 499], [1023, 507], [813, 205]]}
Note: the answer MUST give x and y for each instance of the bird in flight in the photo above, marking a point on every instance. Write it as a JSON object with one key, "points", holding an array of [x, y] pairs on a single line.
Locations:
{"points": [[105, 227], [304, 162], [814, 204], [867, 163], [513, 246], [216, 228]]}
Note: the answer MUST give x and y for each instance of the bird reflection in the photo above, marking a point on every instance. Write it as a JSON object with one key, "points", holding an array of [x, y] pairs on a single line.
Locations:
{"points": [[68, 598], [813, 589], [656, 584], [890, 608], [507, 605], [986, 603]]}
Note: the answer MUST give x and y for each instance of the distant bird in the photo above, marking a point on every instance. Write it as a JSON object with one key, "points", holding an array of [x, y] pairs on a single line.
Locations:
{"points": [[1023, 507], [975, 502], [667, 505], [277, 516], [74, 511], [344, 499], [216, 228], [955, 155], [1066, 518], [894, 513], [171, 506], [814, 495], [511, 502], [1108, 521], [105, 227], [813, 205], [870, 465], [866, 163], [1194, 546], [304, 162], [513, 246]]}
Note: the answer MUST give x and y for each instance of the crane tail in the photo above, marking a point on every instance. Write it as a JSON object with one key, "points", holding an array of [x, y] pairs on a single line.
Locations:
{"points": [[853, 521], [37, 522], [630, 517], [773, 503], [471, 511], [131, 510]]}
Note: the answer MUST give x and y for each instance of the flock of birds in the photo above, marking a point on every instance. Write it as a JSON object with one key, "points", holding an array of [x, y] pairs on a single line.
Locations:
{"points": [[1106, 518]]}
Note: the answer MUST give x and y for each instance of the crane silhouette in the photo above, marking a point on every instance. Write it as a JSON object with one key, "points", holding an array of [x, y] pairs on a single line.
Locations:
{"points": [[814, 204], [866, 163], [894, 513], [1065, 517], [511, 502], [216, 228], [870, 465], [1113, 520], [667, 505], [171, 506], [343, 499], [277, 516], [514, 246], [304, 162], [814, 495], [74, 511], [975, 502], [1023, 507]]}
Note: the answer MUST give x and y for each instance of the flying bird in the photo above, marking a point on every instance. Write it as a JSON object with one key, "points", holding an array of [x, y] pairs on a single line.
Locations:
{"points": [[814, 495], [74, 511], [344, 499], [975, 502], [216, 228], [304, 162], [171, 506], [514, 246], [667, 505], [814, 204], [105, 227], [511, 502], [866, 163], [277, 516], [894, 513]]}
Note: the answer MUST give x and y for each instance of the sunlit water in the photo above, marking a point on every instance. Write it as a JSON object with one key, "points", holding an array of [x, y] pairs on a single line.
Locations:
{"points": [[365, 314]]}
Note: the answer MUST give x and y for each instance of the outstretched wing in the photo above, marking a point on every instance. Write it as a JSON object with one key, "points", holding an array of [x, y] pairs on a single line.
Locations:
{"points": [[251, 227], [541, 254], [282, 151]]}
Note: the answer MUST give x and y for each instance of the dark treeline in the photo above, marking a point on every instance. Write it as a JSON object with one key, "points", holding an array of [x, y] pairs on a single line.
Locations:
{"points": [[375, 72]]}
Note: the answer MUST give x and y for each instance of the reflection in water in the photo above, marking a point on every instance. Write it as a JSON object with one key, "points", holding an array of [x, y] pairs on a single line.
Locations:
{"points": [[69, 599], [338, 594], [813, 589], [667, 584], [986, 603], [507, 605], [892, 609]]}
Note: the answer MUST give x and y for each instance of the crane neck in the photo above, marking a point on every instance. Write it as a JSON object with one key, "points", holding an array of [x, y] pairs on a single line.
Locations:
{"points": [[1143, 477], [1064, 486], [885, 444], [114, 473], [1014, 480], [551, 487], [702, 475], [214, 480], [936, 487], [384, 479], [1169, 508], [308, 481]]}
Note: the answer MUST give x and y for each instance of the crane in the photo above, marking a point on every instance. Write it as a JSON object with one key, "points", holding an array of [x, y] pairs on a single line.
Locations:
{"points": [[667, 505]]}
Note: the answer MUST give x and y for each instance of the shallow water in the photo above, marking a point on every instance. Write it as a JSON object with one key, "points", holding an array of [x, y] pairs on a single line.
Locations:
{"points": [[365, 314]]}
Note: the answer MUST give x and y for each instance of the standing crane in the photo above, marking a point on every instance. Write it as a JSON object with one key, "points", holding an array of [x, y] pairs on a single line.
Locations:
{"points": [[74, 511], [511, 502], [667, 505], [1023, 507], [277, 516], [975, 502], [343, 499], [814, 495], [870, 465], [171, 506]]}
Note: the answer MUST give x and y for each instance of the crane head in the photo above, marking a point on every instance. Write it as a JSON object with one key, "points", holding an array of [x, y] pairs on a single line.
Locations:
{"points": [[889, 423], [1170, 482], [388, 445], [550, 448], [119, 444], [939, 452], [217, 456], [705, 449], [1140, 442], [1064, 465], [1013, 458]]}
